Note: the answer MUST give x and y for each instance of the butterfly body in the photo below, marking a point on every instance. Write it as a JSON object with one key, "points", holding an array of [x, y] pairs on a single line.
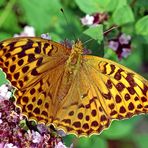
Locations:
{"points": [[80, 94], [71, 68]]}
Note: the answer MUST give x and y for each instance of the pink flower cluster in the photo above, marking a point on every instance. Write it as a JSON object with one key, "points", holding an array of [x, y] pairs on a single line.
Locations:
{"points": [[121, 45], [27, 31], [94, 19], [14, 135]]}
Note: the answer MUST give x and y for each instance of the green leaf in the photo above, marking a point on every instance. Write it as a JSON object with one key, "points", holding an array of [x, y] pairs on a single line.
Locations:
{"points": [[142, 4], [4, 35], [121, 3], [142, 26], [110, 54], [93, 6], [2, 78], [114, 4], [2, 2], [96, 45], [141, 140], [83, 142], [69, 139], [91, 142], [95, 32], [140, 39], [120, 129], [40, 14], [10, 21], [97, 141], [123, 15], [128, 29]]}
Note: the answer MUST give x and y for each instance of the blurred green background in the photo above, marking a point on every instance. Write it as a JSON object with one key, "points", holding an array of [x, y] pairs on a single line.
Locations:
{"points": [[131, 17]]}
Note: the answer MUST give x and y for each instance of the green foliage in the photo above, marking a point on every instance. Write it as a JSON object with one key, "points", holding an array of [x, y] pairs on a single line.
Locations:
{"points": [[141, 140], [89, 6], [120, 129], [2, 78], [43, 12], [45, 16], [93, 142], [142, 26], [86, 142], [123, 15], [95, 33]]}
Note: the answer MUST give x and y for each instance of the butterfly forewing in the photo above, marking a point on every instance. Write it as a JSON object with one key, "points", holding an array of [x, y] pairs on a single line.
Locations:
{"points": [[34, 66]]}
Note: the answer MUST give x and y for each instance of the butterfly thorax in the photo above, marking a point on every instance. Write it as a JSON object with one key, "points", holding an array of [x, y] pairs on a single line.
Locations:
{"points": [[71, 68], [75, 56]]}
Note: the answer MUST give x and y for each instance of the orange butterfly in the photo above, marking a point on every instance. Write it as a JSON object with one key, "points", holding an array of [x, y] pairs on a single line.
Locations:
{"points": [[80, 94]]}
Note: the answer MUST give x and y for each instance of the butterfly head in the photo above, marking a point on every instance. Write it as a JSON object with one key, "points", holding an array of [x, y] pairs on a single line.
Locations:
{"points": [[77, 47], [75, 54]]}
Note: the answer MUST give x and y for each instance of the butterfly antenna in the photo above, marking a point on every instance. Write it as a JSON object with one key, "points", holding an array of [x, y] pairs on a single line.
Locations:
{"points": [[72, 33], [110, 29], [87, 41], [104, 33]]}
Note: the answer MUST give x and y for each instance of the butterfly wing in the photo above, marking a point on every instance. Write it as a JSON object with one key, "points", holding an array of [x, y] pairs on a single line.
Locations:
{"points": [[35, 67], [102, 91], [125, 88]]}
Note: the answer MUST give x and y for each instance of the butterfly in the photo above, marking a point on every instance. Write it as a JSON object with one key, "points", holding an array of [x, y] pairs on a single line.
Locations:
{"points": [[59, 85]]}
